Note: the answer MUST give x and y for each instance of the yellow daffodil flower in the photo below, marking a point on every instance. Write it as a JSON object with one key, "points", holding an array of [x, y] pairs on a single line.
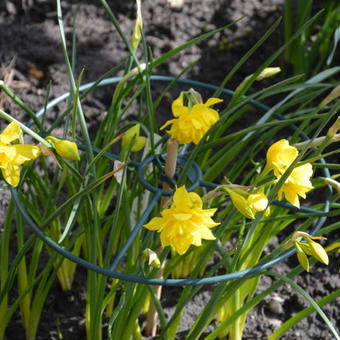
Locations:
{"points": [[14, 155], [297, 184], [64, 148], [191, 123], [249, 205], [310, 247], [185, 222], [280, 156]]}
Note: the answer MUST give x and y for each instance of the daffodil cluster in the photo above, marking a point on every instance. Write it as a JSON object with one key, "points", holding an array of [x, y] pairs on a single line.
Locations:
{"points": [[193, 121], [185, 222], [280, 156], [14, 155]]}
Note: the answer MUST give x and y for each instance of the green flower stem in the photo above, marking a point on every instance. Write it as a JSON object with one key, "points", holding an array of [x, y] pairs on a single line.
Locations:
{"points": [[5, 241], [24, 128], [23, 280]]}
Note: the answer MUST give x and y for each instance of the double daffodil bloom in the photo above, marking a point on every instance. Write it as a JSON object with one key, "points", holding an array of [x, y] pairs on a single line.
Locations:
{"points": [[297, 184], [249, 204], [191, 123], [310, 247], [280, 156], [185, 222], [14, 155]]}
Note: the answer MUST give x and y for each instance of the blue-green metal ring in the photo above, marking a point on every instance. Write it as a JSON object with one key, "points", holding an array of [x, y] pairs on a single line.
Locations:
{"points": [[110, 272]]}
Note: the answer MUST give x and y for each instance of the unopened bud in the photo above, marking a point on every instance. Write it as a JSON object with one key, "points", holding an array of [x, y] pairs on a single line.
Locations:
{"points": [[335, 93], [64, 148], [132, 136], [268, 72], [137, 31], [332, 131], [151, 257]]}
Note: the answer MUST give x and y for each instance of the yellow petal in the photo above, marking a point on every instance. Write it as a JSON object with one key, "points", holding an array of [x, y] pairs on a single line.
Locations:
{"points": [[177, 106], [181, 197], [318, 251], [196, 200], [212, 101], [169, 122], [24, 153], [179, 111], [12, 132], [11, 174], [280, 156], [182, 217], [155, 224], [303, 259], [7, 154], [206, 234], [258, 201]]}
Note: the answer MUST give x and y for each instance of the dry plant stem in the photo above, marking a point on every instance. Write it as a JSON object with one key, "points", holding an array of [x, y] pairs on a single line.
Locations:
{"points": [[170, 170], [170, 164], [317, 141]]}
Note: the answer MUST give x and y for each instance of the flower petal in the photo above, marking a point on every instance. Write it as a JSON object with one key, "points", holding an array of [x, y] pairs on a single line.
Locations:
{"points": [[318, 251], [11, 133], [24, 153], [303, 259], [11, 174], [212, 101]]}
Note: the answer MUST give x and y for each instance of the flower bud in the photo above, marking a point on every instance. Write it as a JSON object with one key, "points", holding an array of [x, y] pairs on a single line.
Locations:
{"points": [[137, 31], [335, 93], [268, 72], [332, 131], [64, 148], [133, 134], [302, 257], [151, 257], [318, 252]]}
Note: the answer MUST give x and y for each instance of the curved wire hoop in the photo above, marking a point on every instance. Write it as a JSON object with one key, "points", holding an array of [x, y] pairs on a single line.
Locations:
{"points": [[195, 177]]}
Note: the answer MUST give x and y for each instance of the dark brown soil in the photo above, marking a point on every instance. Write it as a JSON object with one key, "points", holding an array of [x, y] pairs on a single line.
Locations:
{"points": [[31, 57]]}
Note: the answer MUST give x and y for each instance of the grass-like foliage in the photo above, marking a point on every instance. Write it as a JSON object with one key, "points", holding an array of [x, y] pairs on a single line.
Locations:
{"points": [[195, 201]]}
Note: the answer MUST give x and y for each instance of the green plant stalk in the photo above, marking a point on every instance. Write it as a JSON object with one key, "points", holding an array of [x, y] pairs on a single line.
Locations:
{"points": [[73, 87], [23, 280], [288, 28], [4, 266], [109, 300], [39, 298]]}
